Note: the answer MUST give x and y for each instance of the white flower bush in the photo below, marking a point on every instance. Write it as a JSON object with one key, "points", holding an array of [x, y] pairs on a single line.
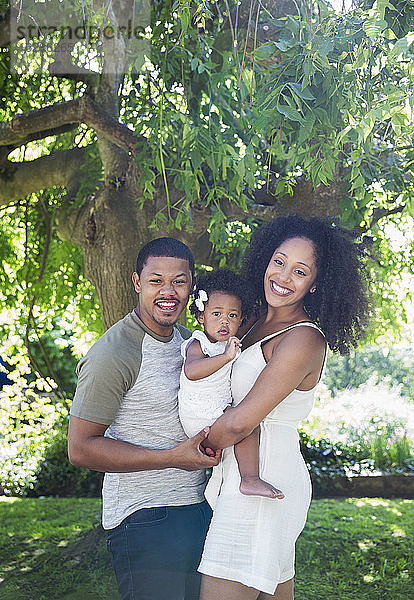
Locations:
{"points": [[373, 417], [347, 415]]}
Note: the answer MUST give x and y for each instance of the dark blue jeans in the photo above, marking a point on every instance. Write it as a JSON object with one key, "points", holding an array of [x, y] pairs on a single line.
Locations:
{"points": [[155, 552]]}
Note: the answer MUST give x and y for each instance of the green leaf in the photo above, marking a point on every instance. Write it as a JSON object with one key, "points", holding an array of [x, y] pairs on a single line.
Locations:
{"points": [[284, 44], [308, 70], [381, 5], [265, 51], [225, 164], [306, 129], [409, 206], [196, 158], [185, 19], [373, 27], [402, 46], [365, 128], [326, 46], [240, 168], [179, 220], [290, 113], [304, 93], [322, 116], [342, 135]]}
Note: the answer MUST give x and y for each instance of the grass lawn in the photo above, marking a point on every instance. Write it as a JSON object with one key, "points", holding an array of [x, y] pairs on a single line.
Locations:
{"points": [[351, 549], [357, 549]]}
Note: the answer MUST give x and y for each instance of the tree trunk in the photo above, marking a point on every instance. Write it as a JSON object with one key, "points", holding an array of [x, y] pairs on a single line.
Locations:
{"points": [[110, 228]]}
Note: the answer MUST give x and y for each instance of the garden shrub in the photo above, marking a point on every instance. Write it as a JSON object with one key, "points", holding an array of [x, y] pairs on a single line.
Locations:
{"points": [[357, 430], [373, 420], [55, 476], [18, 466], [393, 367], [33, 447], [39, 466], [27, 419], [326, 459], [55, 342]]}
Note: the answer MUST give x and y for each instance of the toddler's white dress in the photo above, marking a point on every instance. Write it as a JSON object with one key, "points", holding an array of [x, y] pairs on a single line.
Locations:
{"points": [[202, 401], [251, 538]]}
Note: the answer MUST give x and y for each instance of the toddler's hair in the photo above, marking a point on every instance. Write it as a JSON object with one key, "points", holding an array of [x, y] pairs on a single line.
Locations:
{"points": [[229, 282]]}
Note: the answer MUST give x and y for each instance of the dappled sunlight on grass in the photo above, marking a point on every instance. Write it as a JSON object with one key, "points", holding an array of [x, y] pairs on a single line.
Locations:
{"points": [[8, 500], [369, 502], [34, 534], [397, 531], [351, 549], [366, 544], [357, 548]]}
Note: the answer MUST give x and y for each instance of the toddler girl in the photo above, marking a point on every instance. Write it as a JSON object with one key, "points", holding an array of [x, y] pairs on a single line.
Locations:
{"points": [[222, 300]]}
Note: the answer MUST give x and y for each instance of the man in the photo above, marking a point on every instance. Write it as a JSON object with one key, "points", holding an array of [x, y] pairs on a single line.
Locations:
{"points": [[124, 421]]}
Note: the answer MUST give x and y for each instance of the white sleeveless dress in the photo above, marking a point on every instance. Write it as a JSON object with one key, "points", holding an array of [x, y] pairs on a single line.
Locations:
{"points": [[251, 539]]}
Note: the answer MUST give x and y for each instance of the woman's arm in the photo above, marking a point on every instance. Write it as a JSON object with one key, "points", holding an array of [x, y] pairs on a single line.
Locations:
{"points": [[197, 365], [296, 355]]}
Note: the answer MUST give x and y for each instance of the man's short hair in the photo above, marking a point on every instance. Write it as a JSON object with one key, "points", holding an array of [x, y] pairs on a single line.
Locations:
{"points": [[165, 246]]}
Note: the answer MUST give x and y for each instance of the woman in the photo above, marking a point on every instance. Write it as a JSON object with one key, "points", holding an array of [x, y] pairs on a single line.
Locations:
{"points": [[312, 295]]}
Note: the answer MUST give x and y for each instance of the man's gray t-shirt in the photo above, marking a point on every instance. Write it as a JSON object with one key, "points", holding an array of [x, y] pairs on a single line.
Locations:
{"points": [[129, 381]]}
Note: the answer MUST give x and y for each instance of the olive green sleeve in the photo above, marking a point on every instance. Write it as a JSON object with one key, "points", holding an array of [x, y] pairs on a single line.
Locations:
{"points": [[106, 373]]}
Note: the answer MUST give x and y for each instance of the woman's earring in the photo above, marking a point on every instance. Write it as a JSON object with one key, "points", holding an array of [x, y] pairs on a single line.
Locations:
{"points": [[313, 290]]}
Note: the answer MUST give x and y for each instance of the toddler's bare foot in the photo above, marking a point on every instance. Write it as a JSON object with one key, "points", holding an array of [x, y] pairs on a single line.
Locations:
{"points": [[252, 485]]}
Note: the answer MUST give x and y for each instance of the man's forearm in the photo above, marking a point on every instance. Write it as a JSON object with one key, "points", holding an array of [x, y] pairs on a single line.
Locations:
{"points": [[87, 447], [113, 456]]}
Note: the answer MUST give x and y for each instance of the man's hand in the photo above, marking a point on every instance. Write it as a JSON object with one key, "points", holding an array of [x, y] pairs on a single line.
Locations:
{"points": [[232, 348], [192, 456]]}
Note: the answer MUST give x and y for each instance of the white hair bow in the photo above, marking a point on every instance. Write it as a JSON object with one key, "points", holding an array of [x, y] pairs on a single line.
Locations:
{"points": [[201, 298]]}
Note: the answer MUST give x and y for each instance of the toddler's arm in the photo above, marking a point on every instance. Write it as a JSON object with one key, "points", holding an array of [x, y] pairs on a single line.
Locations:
{"points": [[197, 365]]}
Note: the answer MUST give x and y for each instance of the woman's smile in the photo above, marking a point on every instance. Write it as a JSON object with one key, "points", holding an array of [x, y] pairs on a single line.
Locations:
{"points": [[278, 289]]}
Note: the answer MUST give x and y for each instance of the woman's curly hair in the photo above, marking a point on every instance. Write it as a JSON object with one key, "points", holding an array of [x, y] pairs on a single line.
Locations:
{"points": [[340, 306], [224, 280]]}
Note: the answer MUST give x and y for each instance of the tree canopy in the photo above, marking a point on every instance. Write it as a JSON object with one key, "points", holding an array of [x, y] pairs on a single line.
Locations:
{"points": [[225, 115]]}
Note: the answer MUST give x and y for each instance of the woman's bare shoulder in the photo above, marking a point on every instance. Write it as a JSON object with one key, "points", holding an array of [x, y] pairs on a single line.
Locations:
{"points": [[309, 340]]}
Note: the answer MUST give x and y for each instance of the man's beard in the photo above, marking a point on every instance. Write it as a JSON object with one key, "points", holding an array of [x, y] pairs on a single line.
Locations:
{"points": [[166, 321]]}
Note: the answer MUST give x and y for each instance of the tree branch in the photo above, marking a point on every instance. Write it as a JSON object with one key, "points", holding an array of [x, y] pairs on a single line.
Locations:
{"points": [[61, 168], [5, 33], [60, 70], [114, 50], [80, 110], [6, 150], [379, 213], [305, 200]]}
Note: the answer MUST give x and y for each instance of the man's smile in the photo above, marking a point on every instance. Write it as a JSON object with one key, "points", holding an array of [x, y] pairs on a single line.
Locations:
{"points": [[167, 306]]}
